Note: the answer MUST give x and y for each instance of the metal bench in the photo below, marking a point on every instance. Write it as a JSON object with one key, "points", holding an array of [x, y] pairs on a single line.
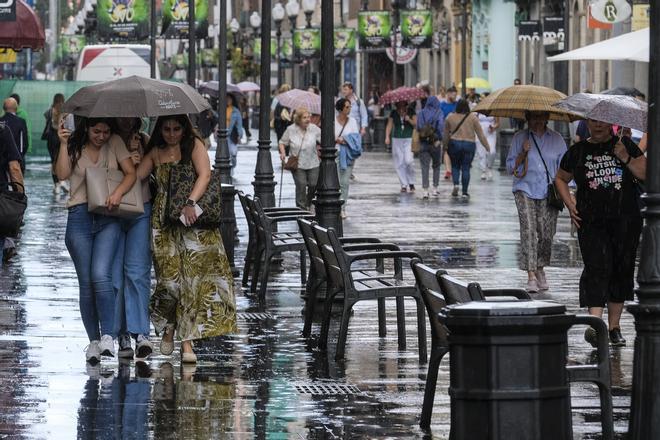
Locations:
{"points": [[250, 255], [338, 261], [270, 242]]}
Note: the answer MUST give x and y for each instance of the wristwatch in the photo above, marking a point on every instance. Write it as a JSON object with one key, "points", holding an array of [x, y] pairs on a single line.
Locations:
{"points": [[190, 202]]}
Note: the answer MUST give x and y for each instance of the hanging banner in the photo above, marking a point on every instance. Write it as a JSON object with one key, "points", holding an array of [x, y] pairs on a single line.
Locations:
{"points": [[307, 43], [210, 57], [374, 29], [175, 18], [8, 10], [345, 42], [123, 19], [529, 30], [256, 48], [71, 46], [553, 33], [179, 60], [417, 29], [286, 49]]}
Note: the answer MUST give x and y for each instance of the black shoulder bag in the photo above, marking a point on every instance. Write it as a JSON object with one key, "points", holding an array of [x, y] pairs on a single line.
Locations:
{"points": [[553, 198]]}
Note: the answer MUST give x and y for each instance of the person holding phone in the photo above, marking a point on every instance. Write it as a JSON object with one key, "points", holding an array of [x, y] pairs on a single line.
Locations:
{"points": [[92, 239], [194, 295], [132, 270], [607, 171]]}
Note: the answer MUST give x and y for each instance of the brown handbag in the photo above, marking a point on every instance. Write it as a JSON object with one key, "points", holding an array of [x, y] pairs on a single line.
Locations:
{"points": [[102, 181], [291, 163]]}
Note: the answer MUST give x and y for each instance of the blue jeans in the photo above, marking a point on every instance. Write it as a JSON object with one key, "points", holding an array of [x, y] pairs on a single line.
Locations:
{"points": [[131, 275], [92, 240], [461, 154]]}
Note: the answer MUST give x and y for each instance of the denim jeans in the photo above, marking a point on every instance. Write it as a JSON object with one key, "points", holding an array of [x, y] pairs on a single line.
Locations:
{"points": [[461, 154], [430, 156], [344, 181], [92, 240], [131, 275]]}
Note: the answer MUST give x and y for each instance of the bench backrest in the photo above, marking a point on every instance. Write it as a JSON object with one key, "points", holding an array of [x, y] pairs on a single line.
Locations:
{"points": [[458, 291], [307, 230], [333, 266], [427, 283]]}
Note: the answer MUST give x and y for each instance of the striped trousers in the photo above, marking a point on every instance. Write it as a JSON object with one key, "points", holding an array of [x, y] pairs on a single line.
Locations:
{"points": [[538, 224]]}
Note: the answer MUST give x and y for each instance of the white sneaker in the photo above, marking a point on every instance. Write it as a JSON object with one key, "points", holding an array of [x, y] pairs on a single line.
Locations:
{"points": [[107, 346], [425, 195], [93, 354], [483, 175], [489, 175], [435, 192]]}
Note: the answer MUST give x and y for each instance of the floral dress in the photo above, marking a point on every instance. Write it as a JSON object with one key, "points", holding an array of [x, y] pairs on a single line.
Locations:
{"points": [[194, 285]]}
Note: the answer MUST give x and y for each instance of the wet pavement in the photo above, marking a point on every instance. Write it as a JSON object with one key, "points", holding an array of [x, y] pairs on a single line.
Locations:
{"points": [[267, 381]]}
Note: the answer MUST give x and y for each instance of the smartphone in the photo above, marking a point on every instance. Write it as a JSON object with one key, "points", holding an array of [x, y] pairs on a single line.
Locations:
{"points": [[68, 122]]}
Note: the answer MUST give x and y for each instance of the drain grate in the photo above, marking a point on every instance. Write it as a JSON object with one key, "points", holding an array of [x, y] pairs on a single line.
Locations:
{"points": [[327, 389], [249, 316]]}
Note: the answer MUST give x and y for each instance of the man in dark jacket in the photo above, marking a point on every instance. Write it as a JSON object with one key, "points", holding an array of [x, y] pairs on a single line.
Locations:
{"points": [[10, 171], [16, 126]]}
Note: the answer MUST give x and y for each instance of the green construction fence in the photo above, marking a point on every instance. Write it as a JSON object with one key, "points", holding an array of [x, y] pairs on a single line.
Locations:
{"points": [[36, 99]]}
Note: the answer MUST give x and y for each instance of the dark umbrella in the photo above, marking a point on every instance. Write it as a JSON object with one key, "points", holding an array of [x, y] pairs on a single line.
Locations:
{"points": [[26, 32], [211, 88], [626, 91], [135, 96]]}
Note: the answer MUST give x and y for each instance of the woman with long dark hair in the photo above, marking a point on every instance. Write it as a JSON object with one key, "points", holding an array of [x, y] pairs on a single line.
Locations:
{"points": [[53, 116], [92, 239], [132, 271], [194, 295]]}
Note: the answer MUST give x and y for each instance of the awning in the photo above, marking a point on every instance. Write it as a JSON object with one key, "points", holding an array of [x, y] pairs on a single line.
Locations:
{"points": [[633, 46], [24, 33]]}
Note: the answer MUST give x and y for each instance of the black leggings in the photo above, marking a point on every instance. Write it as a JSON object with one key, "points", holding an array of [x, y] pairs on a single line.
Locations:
{"points": [[609, 250]]}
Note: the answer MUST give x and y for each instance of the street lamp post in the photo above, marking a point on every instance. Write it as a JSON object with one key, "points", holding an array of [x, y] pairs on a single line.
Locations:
{"points": [[308, 8], [264, 180], [396, 4], [327, 201], [234, 27], [645, 406], [222, 157], [292, 10], [464, 23], [192, 50], [152, 40], [278, 16], [255, 24], [365, 64]]}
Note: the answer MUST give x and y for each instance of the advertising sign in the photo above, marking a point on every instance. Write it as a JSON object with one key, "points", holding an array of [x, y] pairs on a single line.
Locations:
{"points": [[417, 29], [256, 48], [286, 49], [7, 56], [529, 30], [345, 42], [641, 16], [175, 18], [8, 10], [553, 32], [374, 29], [307, 43], [123, 19], [611, 11]]}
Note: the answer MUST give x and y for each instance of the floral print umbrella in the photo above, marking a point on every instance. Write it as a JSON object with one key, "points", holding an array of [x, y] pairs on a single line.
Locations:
{"points": [[401, 94]]}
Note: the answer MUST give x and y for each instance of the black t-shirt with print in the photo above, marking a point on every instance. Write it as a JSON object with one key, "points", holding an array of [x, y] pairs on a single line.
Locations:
{"points": [[605, 186]]}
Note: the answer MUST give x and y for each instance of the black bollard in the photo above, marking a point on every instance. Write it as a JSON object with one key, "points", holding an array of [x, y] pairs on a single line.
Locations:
{"points": [[508, 376], [378, 141], [228, 224]]}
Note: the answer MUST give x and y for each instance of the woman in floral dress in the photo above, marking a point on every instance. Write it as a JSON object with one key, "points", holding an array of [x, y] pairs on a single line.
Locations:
{"points": [[194, 295]]}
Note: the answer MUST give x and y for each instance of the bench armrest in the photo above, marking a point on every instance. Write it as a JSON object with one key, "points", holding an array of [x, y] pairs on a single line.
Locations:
{"points": [[347, 240], [287, 218], [518, 293], [371, 247]]}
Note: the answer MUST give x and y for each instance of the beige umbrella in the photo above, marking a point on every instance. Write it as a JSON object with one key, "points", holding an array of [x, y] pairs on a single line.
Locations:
{"points": [[514, 101]]}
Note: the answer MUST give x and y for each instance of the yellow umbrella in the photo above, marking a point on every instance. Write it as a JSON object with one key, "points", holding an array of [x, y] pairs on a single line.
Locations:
{"points": [[475, 83], [514, 101]]}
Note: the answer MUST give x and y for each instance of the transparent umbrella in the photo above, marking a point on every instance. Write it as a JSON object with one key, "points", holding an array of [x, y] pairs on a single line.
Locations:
{"points": [[613, 109]]}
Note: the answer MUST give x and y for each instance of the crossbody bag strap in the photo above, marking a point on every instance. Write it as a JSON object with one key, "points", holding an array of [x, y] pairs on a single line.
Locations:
{"points": [[547, 173], [459, 125]]}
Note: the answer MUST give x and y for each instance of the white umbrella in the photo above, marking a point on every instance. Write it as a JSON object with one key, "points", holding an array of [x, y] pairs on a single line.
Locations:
{"points": [[613, 109], [633, 46], [248, 86]]}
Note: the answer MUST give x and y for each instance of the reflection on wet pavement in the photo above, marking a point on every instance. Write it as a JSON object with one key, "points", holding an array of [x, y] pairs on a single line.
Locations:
{"points": [[267, 381]]}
